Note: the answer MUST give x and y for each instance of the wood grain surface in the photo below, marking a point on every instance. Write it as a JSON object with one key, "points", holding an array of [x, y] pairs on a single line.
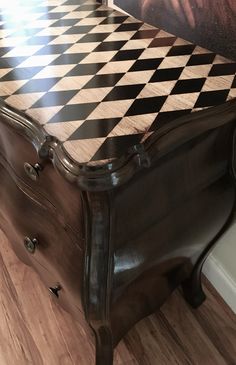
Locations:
{"points": [[34, 330]]}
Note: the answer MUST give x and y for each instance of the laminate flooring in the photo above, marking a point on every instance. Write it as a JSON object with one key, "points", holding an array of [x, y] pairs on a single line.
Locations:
{"points": [[34, 330]]}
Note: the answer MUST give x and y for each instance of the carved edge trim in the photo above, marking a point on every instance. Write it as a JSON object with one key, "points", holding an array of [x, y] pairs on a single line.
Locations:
{"points": [[98, 270], [115, 173], [91, 178]]}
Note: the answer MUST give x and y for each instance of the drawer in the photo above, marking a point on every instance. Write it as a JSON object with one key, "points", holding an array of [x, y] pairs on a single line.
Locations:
{"points": [[40, 240], [60, 291], [65, 196]]}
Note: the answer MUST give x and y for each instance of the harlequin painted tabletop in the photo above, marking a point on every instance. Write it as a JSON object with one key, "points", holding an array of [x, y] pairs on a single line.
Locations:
{"points": [[101, 81]]}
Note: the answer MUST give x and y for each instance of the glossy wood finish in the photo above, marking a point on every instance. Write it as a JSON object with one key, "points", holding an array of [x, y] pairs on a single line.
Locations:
{"points": [[50, 184], [161, 224], [100, 81], [34, 329], [26, 214], [112, 240], [144, 236]]}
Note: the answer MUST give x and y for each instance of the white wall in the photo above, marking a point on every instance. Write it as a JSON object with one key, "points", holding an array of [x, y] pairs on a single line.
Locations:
{"points": [[111, 4], [226, 252], [220, 267]]}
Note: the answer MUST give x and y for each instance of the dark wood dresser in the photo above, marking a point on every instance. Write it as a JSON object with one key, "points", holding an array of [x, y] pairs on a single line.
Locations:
{"points": [[117, 159]]}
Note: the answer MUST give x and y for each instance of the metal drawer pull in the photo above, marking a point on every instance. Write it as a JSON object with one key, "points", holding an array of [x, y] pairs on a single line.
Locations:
{"points": [[54, 290], [30, 244], [33, 171]]}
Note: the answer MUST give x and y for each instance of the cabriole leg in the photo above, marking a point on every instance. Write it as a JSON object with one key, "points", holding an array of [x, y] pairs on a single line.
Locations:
{"points": [[104, 347], [192, 287]]}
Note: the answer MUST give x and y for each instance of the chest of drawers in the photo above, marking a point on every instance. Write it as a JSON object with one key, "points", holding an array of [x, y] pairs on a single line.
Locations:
{"points": [[117, 160]]}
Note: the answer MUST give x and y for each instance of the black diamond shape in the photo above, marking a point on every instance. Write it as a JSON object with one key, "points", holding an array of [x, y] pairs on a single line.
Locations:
{"points": [[4, 50], [128, 27], [116, 146], [93, 37], [167, 74], [146, 105], [223, 69], [125, 55], [23, 73], [109, 46], [147, 64], [64, 23], [73, 112], [55, 98], [85, 69], [53, 49], [95, 128], [234, 82], [114, 20], [38, 40], [10, 62], [51, 15], [100, 14], [124, 92], [165, 117], [79, 29], [188, 86], [26, 32], [162, 42], [147, 33], [103, 81], [85, 7], [69, 59], [43, 9], [201, 59], [181, 50], [210, 98], [39, 85]]}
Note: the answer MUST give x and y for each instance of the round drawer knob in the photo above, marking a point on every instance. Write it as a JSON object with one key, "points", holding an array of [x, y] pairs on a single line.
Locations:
{"points": [[54, 290], [30, 244], [32, 171]]}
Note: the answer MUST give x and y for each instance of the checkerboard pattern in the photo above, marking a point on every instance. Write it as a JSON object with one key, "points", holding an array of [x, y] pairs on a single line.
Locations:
{"points": [[99, 80]]}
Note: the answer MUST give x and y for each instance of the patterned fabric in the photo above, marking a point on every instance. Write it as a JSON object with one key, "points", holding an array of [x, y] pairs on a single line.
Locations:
{"points": [[101, 81]]}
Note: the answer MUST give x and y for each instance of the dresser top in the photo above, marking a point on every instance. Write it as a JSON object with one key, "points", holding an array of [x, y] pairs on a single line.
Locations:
{"points": [[99, 80]]}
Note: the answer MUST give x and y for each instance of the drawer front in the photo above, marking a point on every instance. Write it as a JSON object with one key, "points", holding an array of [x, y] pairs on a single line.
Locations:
{"points": [[17, 151], [41, 241]]}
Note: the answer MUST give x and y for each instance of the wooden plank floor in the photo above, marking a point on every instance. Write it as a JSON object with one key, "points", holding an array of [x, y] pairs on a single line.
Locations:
{"points": [[34, 330]]}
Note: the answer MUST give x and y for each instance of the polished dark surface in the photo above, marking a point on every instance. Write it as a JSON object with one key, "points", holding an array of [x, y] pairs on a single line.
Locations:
{"points": [[155, 231], [111, 240], [117, 253]]}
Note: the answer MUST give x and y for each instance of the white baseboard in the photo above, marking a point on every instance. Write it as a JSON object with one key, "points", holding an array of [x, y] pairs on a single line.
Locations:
{"points": [[221, 280], [112, 5]]}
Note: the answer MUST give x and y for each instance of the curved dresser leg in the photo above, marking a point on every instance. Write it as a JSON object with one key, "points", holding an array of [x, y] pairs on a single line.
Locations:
{"points": [[104, 347], [192, 287], [98, 271]]}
